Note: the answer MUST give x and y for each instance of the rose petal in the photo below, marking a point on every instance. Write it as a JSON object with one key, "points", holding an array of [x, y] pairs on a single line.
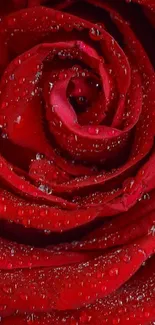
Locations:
{"points": [[59, 288], [134, 303], [17, 256]]}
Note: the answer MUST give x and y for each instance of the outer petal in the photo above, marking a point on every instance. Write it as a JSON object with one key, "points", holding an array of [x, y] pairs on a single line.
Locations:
{"points": [[68, 287], [134, 303]]}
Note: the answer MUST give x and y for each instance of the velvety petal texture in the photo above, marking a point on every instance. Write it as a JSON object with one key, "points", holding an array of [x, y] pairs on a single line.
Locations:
{"points": [[77, 162]]}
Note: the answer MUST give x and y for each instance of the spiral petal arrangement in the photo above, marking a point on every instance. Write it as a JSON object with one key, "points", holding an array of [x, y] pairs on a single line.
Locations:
{"points": [[77, 163]]}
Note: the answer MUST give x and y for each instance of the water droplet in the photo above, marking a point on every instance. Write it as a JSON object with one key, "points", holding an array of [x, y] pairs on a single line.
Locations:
{"points": [[7, 289], [78, 26], [9, 266], [74, 322], [51, 84], [45, 188], [30, 319], [103, 288], [18, 120], [21, 81], [95, 34], [85, 318], [146, 196], [128, 185], [11, 21], [17, 61], [126, 258], [20, 213], [114, 271], [39, 156], [68, 27], [91, 130], [116, 321], [4, 105], [12, 77], [24, 296]]}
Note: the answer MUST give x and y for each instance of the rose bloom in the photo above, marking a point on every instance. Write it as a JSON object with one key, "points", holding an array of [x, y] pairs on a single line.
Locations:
{"points": [[77, 162]]}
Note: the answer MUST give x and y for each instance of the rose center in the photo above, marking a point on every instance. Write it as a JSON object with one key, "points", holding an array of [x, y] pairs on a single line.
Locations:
{"points": [[83, 91]]}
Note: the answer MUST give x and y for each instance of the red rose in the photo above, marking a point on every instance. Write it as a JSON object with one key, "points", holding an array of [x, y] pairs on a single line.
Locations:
{"points": [[77, 163]]}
